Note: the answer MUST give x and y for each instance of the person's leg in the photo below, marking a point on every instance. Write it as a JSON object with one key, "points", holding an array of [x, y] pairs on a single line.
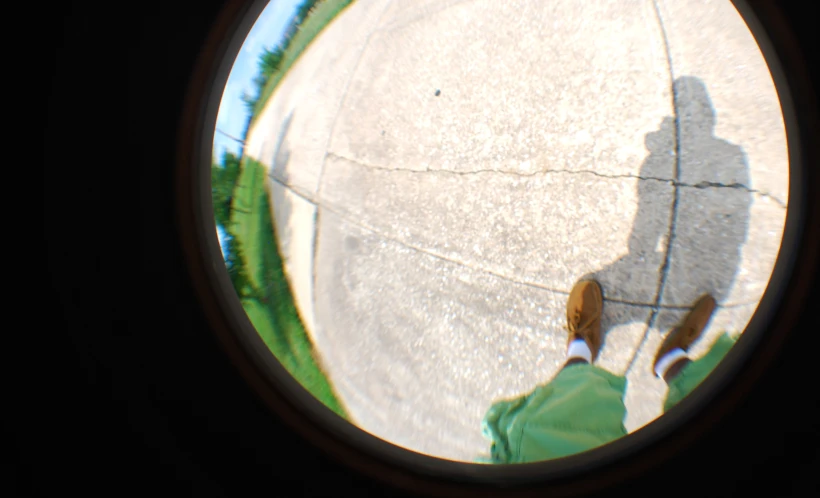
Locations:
{"points": [[690, 373], [672, 363], [580, 409]]}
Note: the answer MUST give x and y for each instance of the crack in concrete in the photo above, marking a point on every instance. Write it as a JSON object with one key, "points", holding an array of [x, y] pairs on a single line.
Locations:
{"points": [[485, 171], [342, 100], [666, 307], [664, 271], [740, 186], [298, 192], [344, 95], [671, 181], [343, 215]]}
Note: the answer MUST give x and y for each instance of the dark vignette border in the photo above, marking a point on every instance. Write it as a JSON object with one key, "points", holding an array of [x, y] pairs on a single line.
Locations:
{"points": [[600, 467]]}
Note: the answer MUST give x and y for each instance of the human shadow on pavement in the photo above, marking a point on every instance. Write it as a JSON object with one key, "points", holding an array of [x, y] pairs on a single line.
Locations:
{"points": [[702, 200]]}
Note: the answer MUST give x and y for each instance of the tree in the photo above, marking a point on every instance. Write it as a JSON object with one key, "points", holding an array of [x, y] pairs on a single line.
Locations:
{"points": [[269, 61], [249, 101], [235, 264], [223, 184], [237, 271], [303, 10]]}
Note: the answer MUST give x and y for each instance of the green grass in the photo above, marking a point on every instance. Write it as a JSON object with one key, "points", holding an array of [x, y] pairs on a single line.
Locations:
{"points": [[272, 310], [322, 14], [269, 304]]}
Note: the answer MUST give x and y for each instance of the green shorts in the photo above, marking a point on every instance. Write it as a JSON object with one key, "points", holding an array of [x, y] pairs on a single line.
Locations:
{"points": [[580, 409]]}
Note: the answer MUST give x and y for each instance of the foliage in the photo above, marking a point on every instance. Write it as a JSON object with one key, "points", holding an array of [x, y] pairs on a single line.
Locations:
{"points": [[257, 272], [242, 209], [310, 18], [235, 263], [304, 10], [269, 61], [223, 181]]}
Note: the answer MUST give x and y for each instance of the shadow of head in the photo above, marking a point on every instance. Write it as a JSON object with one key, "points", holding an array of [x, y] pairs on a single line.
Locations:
{"points": [[693, 106], [692, 214]]}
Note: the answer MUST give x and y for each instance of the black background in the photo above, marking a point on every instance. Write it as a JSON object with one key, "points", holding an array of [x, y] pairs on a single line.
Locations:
{"points": [[127, 391]]}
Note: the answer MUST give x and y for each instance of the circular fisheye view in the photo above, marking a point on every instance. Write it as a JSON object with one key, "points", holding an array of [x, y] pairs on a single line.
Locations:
{"points": [[500, 232]]}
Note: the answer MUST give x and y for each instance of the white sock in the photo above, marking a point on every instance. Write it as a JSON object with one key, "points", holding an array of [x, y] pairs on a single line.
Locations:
{"points": [[668, 360], [579, 349]]}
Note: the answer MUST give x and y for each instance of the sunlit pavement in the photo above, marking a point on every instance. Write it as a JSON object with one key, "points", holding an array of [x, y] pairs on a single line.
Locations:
{"points": [[444, 171]]}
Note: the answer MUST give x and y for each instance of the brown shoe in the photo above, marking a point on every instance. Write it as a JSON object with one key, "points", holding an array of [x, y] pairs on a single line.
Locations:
{"points": [[690, 330], [584, 308]]}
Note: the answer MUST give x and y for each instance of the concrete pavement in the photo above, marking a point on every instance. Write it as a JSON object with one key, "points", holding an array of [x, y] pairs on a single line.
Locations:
{"points": [[444, 172]]}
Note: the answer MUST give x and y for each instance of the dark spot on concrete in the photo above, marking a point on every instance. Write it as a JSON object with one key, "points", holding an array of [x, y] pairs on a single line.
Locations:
{"points": [[382, 132], [438, 92], [351, 243]]}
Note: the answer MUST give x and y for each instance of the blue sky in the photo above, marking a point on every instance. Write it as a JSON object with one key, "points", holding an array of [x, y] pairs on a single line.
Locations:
{"points": [[220, 233], [267, 32]]}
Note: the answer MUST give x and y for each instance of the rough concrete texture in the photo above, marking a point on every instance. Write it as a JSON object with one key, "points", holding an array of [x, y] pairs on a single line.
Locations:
{"points": [[470, 160], [539, 229], [520, 95], [451, 339], [301, 116]]}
